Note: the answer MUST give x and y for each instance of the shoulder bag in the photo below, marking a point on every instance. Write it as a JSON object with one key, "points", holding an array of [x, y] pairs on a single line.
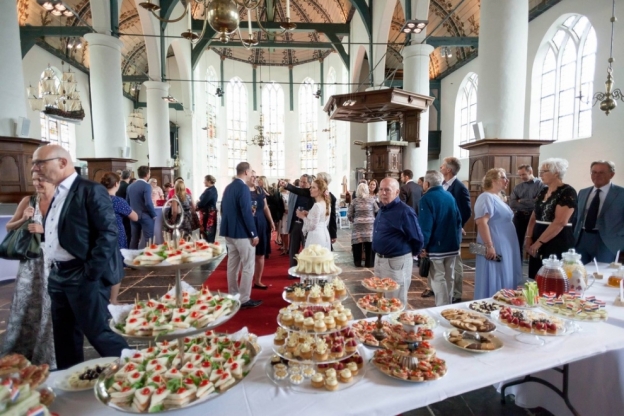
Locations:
{"points": [[21, 244]]}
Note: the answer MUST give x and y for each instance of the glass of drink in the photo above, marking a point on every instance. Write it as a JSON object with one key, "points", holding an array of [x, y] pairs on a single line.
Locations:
{"points": [[299, 209], [254, 207]]}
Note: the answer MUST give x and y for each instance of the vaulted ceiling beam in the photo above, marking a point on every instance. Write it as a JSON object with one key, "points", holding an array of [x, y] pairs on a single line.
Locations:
{"points": [[437, 41], [66, 58], [53, 31], [276, 45], [135, 78], [339, 47], [366, 15]]}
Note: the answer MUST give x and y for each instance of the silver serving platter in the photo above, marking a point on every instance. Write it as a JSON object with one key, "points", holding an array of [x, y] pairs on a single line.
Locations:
{"points": [[174, 267], [496, 341], [101, 394], [281, 350], [568, 326], [186, 332], [402, 379], [380, 290], [292, 272]]}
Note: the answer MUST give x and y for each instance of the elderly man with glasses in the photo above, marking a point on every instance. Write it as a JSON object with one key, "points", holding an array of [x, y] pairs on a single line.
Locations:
{"points": [[396, 238]]}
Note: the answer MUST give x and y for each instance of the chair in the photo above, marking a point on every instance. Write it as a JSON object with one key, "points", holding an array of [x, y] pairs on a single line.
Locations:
{"points": [[344, 221]]}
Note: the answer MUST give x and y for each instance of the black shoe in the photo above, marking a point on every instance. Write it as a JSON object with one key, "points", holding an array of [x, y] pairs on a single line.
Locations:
{"points": [[457, 300], [427, 293], [251, 304]]}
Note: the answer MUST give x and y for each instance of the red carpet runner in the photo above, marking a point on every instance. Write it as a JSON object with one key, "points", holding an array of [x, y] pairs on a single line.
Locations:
{"points": [[263, 319]]}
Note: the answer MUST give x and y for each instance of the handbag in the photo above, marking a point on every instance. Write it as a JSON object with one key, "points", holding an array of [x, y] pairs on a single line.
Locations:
{"points": [[425, 265], [21, 244], [481, 250]]}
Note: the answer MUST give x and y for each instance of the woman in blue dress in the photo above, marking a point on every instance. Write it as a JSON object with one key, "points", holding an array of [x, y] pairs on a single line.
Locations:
{"points": [[496, 231], [264, 223], [111, 181]]}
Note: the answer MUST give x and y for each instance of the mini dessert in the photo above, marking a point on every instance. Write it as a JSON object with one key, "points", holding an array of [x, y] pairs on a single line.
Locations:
{"points": [[598, 276], [318, 380], [315, 294], [331, 383], [320, 350], [305, 351], [296, 379], [328, 294], [330, 322], [280, 374], [300, 295], [280, 366], [330, 372], [615, 265], [319, 326], [353, 367], [287, 319], [308, 372], [381, 285], [340, 289], [345, 376], [373, 303]]}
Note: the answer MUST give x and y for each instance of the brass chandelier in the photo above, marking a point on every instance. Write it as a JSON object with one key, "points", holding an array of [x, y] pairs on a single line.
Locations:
{"points": [[608, 99], [224, 17]]}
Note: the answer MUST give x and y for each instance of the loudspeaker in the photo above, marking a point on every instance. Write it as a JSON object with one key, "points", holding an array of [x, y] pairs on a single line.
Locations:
{"points": [[478, 131], [22, 127], [126, 153]]}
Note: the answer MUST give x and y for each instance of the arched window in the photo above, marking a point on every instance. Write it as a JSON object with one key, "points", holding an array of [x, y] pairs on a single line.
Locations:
{"points": [[54, 130], [308, 124], [236, 95], [211, 120], [331, 90], [273, 112], [467, 114], [565, 84]]}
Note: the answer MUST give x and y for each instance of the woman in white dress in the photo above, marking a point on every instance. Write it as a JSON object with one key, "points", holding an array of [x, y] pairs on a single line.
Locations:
{"points": [[316, 220]]}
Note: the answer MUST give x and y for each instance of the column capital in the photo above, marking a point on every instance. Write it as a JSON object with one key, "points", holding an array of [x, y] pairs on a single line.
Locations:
{"points": [[157, 85], [419, 49], [103, 40]]}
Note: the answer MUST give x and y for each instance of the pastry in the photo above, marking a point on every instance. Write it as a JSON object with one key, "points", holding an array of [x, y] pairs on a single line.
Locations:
{"points": [[318, 380], [331, 383], [296, 379], [345, 375]]}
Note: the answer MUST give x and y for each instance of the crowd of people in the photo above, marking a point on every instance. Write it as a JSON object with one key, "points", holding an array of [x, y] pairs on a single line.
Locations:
{"points": [[62, 297]]}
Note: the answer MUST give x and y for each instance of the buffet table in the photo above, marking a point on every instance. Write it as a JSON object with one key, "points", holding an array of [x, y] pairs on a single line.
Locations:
{"points": [[596, 383], [377, 394]]}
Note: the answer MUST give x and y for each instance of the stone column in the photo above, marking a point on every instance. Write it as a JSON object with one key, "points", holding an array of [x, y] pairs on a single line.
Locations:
{"points": [[12, 87], [377, 132], [158, 123], [503, 38], [416, 79], [109, 127]]}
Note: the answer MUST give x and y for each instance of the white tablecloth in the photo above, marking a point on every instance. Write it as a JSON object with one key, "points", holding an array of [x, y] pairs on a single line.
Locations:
{"points": [[596, 384], [376, 394]]}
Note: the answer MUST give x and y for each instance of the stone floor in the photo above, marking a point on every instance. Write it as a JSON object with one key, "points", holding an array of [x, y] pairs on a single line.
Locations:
{"points": [[485, 401]]}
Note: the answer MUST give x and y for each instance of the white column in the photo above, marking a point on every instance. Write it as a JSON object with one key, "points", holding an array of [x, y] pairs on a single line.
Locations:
{"points": [[416, 79], [12, 87], [109, 127], [377, 132], [503, 38], [157, 123]]}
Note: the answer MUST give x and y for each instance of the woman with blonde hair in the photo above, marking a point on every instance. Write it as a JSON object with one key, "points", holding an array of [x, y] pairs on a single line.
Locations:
{"points": [[362, 214], [316, 220], [550, 226], [187, 209], [496, 231]]}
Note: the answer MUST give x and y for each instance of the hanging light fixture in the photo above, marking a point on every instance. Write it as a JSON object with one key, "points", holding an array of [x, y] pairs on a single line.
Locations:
{"points": [[608, 99]]}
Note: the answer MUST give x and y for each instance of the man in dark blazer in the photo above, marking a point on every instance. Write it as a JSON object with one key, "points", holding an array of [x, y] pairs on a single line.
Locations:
{"points": [[81, 244], [239, 230], [139, 197], [450, 168], [599, 230], [411, 192]]}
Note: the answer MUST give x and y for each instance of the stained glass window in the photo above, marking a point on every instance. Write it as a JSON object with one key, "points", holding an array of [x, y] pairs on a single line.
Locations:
{"points": [[211, 120], [273, 112], [467, 111], [566, 84], [308, 125], [236, 97]]}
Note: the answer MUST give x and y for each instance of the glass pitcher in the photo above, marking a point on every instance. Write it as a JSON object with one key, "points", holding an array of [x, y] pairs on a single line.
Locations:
{"points": [[551, 277], [575, 270]]}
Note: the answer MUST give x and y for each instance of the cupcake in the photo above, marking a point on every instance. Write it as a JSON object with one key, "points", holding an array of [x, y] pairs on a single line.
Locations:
{"points": [[294, 369], [319, 326], [299, 295], [275, 359], [305, 351], [280, 366], [280, 337], [328, 294], [299, 320], [348, 313], [330, 322], [318, 315], [318, 380], [345, 375], [287, 319], [331, 383], [341, 320], [321, 352], [339, 288], [308, 324], [291, 345], [330, 372], [352, 366], [308, 372], [315, 294], [351, 345]]}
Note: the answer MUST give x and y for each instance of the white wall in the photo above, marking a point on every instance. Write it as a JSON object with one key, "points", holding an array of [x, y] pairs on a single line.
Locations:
{"points": [[605, 142]]}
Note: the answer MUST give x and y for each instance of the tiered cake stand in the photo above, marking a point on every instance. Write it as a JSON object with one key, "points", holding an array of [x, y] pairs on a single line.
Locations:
{"points": [[100, 388], [380, 333]]}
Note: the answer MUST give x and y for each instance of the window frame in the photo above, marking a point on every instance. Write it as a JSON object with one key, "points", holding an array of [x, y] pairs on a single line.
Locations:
{"points": [[308, 126], [273, 103], [237, 116]]}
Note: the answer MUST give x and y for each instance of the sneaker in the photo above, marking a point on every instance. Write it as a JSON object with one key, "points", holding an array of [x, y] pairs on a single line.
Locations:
{"points": [[251, 304]]}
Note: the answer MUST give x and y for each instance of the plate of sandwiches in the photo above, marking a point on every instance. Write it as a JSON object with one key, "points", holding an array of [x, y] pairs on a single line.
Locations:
{"points": [[161, 318], [156, 379], [188, 254], [83, 376]]}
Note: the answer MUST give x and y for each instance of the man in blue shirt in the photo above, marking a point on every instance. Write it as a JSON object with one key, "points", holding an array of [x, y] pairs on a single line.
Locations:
{"points": [[396, 238], [441, 223]]}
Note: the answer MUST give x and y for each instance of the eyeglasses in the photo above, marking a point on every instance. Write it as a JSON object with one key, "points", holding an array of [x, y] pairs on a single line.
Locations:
{"points": [[385, 189], [39, 163], [543, 171]]}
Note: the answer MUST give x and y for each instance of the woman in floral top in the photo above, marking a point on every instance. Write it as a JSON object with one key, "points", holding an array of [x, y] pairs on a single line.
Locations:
{"points": [[550, 229]]}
